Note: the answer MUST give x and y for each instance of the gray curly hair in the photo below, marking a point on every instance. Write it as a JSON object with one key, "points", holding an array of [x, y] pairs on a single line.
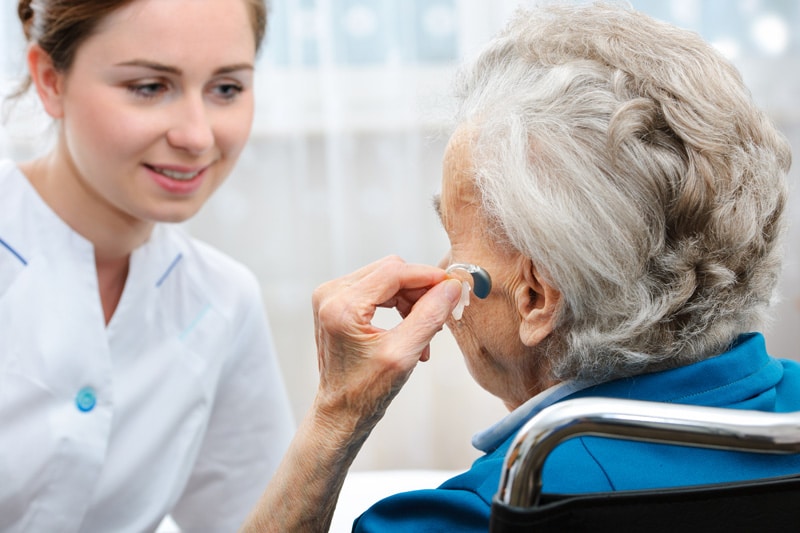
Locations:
{"points": [[626, 158]]}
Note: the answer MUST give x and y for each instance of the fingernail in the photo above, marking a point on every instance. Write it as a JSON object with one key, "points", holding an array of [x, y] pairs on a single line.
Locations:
{"points": [[452, 289]]}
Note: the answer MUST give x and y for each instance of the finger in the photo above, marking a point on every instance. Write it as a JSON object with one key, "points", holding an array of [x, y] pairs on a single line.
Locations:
{"points": [[386, 283], [404, 301], [426, 318], [426, 353], [394, 276], [379, 283]]}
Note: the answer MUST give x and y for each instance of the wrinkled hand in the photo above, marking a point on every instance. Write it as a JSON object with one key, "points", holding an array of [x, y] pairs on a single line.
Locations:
{"points": [[362, 367]]}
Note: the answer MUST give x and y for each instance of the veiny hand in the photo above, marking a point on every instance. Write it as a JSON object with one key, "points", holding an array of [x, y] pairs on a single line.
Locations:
{"points": [[362, 367]]}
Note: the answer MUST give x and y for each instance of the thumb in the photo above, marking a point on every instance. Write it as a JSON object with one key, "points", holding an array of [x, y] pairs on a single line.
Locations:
{"points": [[428, 316]]}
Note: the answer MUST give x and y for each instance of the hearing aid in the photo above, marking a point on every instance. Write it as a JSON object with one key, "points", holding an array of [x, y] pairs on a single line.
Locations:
{"points": [[481, 281]]}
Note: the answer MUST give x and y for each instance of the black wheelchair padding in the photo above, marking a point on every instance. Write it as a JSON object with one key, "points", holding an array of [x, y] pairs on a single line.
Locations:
{"points": [[759, 506]]}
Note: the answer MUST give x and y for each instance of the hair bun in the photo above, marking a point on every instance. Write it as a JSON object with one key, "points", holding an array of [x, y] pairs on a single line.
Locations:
{"points": [[26, 13]]}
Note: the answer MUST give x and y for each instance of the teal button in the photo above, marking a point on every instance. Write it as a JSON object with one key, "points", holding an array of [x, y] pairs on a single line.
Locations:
{"points": [[86, 399]]}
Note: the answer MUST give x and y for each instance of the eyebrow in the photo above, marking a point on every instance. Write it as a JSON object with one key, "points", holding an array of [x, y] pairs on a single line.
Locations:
{"points": [[158, 67], [437, 206]]}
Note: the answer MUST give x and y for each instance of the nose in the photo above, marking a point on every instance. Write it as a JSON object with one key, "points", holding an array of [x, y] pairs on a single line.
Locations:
{"points": [[191, 128]]}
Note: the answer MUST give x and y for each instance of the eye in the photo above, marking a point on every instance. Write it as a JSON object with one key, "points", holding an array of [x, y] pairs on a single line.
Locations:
{"points": [[227, 91], [147, 90]]}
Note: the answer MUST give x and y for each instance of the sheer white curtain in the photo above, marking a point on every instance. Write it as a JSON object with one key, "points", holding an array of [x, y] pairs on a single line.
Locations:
{"points": [[345, 155]]}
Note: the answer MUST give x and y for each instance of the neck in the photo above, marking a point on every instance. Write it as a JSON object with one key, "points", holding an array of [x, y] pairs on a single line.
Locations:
{"points": [[111, 277], [113, 233]]}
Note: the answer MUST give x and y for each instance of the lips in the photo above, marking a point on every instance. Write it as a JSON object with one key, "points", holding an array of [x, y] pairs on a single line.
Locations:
{"points": [[180, 175], [177, 180]]}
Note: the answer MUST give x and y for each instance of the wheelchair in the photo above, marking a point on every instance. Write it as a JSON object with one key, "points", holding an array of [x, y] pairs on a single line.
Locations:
{"points": [[763, 505]]}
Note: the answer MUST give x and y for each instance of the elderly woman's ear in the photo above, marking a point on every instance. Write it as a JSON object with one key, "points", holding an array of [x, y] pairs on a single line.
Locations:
{"points": [[537, 302]]}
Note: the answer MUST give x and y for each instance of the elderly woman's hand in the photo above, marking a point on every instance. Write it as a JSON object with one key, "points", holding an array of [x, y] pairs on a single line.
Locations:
{"points": [[362, 366]]}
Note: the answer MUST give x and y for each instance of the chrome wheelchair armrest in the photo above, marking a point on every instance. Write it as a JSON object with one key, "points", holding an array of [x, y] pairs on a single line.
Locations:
{"points": [[705, 427]]}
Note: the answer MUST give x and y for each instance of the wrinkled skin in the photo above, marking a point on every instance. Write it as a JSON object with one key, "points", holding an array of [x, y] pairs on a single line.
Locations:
{"points": [[362, 367]]}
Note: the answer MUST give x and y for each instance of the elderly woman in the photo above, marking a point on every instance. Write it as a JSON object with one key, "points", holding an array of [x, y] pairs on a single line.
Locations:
{"points": [[614, 177]]}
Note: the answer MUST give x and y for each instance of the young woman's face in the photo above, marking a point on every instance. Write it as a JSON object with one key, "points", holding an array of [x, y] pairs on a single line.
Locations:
{"points": [[157, 107]]}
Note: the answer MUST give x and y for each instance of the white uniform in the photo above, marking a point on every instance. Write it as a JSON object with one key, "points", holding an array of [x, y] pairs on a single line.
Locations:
{"points": [[177, 406]]}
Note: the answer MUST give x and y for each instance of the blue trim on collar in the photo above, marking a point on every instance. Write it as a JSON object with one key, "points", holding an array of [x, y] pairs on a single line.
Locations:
{"points": [[13, 251], [169, 270]]}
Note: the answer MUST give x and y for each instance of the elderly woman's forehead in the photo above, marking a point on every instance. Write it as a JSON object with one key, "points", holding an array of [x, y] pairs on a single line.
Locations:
{"points": [[461, 138], [458, 163], [458, 154], [458, 187]]}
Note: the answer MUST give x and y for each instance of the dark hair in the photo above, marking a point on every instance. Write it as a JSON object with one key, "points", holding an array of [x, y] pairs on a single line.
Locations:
{"points": [[61, 26]]}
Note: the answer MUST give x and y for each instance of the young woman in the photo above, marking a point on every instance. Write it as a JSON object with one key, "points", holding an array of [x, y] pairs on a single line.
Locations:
{"points": [[137, 372]]}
